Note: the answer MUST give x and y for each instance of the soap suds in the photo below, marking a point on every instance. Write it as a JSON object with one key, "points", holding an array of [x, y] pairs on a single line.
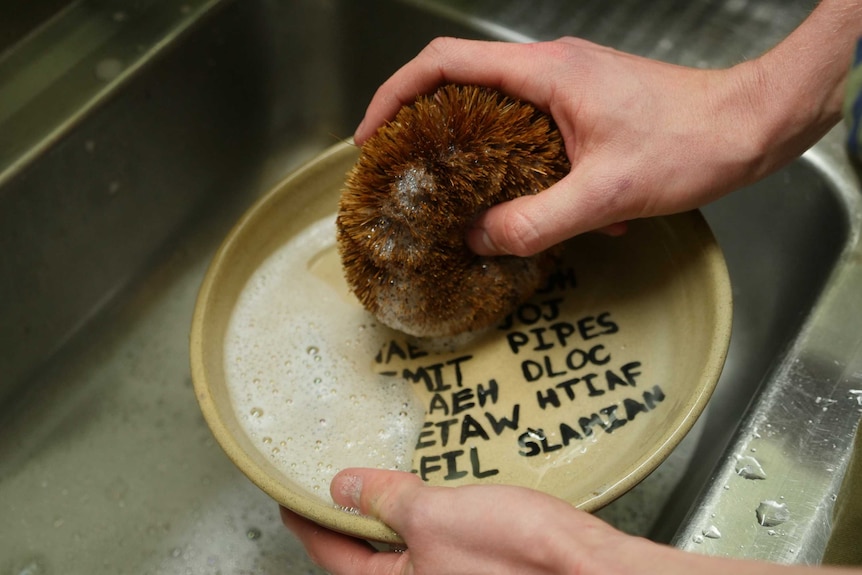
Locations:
{"points": [[297, 364]]}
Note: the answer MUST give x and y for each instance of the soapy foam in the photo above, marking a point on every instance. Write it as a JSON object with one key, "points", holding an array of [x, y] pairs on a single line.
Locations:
{"points": [[297, 363], [412, 187]]}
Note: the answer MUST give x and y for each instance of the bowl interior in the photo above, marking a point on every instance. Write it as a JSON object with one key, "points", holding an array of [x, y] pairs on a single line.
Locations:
{"points": [[581, 392]]}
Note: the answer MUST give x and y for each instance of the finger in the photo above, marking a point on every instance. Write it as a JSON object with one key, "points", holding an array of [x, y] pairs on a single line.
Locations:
{"points": [[339, 553], [482, 244], [506, 66], [319, 541], [385, 495], [530, 224]]}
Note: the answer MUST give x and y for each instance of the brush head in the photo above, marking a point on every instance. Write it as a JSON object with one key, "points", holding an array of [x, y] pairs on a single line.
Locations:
{"points": [[417, 187]]}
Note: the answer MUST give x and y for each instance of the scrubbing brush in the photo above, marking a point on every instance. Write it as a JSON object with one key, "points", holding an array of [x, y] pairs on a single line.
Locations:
{"points": [[418, 185]]}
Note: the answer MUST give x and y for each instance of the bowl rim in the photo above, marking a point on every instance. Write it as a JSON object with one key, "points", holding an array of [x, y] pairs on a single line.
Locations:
{"points": [[331, 516]]}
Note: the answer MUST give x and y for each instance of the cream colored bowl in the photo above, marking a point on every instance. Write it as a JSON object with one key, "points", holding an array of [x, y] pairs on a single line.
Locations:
{"points": [[585, 390]]}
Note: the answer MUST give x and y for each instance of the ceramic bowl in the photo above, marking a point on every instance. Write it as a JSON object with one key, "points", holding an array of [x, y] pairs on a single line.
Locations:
{"points": [[580, 393]]}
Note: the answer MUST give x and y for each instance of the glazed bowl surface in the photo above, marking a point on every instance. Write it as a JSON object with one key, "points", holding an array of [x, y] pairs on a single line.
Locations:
{"points": [[581, 392]]}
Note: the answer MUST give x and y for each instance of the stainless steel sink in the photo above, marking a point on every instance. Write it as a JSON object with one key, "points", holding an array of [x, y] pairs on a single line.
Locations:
{"points": [[133, 135]]}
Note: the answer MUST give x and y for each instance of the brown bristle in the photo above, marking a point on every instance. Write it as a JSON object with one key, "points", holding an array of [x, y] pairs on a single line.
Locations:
{"points": [[418, 185]]}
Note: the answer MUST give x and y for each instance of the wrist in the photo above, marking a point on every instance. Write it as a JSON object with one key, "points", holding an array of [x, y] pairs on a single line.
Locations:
{"points": [[635, 555], [608, 552]]}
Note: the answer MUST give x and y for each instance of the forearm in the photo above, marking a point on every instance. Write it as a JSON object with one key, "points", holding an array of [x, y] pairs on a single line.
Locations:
{"points": [[819, 52], [798, 87]]}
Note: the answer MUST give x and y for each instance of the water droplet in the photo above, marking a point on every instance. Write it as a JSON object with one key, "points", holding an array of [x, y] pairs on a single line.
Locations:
{"points": [[771, 513], [749, 468], [712, 532], [176, 552], [108, 69], [312, 350], [253, 534], [697, 539], [30, 566], [267, 440], [256, 412], [117, 489]]}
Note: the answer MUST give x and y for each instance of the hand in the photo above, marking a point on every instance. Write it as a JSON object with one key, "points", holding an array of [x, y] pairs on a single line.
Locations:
{"points": [[644, 137], [494, 529], [470, 530]]}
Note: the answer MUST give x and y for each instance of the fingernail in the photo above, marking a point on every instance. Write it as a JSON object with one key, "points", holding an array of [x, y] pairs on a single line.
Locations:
{"points": [[481, 242], [614, 230], [486, 241], [359, 130], [351, 486]]}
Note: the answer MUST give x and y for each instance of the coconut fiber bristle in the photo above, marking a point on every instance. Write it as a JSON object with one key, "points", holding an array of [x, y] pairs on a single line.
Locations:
{"points": [[418, 185]]}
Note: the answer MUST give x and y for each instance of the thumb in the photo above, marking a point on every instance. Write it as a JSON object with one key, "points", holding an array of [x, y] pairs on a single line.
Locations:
{"points": [[385, 495], [530, 224]]}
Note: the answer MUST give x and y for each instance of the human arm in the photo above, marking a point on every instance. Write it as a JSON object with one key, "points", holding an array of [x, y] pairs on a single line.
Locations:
{"points": [[495, 529], [644, 137]]}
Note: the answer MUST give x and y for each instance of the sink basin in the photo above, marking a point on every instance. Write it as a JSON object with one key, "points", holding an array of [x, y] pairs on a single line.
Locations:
{"points": [[128, 151]]}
